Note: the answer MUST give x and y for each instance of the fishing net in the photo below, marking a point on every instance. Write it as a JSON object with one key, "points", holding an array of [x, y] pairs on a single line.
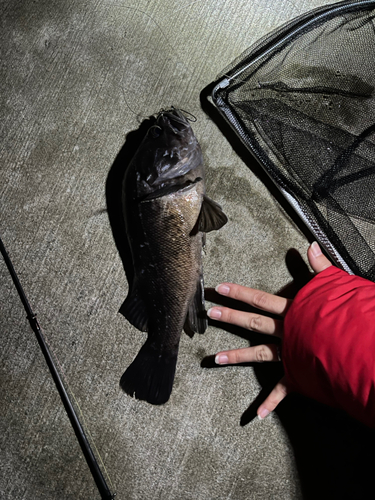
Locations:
{"points": [[302, 100]]}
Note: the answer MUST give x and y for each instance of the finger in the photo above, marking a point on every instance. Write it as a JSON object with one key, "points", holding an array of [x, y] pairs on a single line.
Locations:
{"points": [[258, 354], [250, 321], [317, 260], [274, 398], [260, 300]]}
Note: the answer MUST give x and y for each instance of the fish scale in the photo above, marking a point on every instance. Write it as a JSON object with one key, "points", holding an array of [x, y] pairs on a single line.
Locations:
{"points": [[176, 261]]}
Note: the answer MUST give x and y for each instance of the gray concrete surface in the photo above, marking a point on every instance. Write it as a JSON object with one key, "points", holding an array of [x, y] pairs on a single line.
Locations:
{"points": [[76, 78]]}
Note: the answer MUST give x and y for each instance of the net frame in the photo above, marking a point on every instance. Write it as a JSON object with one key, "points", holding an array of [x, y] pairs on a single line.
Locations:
{"points": [[352, 142]]}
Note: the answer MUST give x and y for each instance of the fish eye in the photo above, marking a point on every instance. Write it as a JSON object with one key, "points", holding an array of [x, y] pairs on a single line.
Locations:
{"points": [[155, 131]]}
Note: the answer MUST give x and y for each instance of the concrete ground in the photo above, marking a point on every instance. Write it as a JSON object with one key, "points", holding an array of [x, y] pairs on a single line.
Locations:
{"points": [[77, 77]]}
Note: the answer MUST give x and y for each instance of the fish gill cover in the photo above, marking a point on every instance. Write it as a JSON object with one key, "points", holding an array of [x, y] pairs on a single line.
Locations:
{"points": [[302, 101]]}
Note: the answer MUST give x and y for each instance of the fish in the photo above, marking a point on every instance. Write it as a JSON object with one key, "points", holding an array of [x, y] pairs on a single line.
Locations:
{"points": [[166, 214]]}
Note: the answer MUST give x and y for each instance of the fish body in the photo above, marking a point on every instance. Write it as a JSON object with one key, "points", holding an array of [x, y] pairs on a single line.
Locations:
{"points": [[166, 214]]}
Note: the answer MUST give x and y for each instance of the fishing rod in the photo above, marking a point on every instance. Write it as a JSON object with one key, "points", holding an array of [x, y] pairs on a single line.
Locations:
{"points": [[78, 429]]}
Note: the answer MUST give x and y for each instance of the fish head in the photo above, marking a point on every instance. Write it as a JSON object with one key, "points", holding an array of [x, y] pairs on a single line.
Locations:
{"points": [[168, 155]]}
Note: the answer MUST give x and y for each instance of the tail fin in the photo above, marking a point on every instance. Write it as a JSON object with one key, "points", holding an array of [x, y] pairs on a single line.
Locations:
{"points": [[150, 376]]}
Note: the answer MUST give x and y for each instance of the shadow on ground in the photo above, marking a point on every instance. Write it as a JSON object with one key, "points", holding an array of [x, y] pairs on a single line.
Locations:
{"points": [[333, 452], [114, 193]]}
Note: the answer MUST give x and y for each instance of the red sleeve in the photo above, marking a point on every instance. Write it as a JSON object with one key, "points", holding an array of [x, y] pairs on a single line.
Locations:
{"points": [[329, 343]]}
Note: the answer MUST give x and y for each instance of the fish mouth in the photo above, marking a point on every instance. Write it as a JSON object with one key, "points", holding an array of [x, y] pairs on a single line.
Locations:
{"points": [[178, 151], [172, 158], [174, 118]]}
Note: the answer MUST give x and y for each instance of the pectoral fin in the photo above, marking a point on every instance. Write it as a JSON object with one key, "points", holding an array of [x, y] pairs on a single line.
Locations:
{"points": [[211, 216], [135, 311], [196, 318]]}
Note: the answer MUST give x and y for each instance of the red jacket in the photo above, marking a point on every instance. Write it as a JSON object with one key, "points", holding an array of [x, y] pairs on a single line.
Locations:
{"points": [[329, 343]]}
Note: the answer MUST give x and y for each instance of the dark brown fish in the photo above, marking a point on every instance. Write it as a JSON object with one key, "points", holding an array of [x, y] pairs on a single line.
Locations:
{"points": [[166, 213]]}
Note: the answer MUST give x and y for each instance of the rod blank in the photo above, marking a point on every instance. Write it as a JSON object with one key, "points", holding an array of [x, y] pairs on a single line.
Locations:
{"points": [[77, 427]]}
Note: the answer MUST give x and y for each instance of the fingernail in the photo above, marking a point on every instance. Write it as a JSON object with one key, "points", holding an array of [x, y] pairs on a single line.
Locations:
{"points": [[315, 249], [222, 289], [221, 359], [263, 413], [214, 313]]}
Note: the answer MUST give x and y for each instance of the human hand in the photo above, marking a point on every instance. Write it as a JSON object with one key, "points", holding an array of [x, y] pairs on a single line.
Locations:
{"points": [[262, 324]]}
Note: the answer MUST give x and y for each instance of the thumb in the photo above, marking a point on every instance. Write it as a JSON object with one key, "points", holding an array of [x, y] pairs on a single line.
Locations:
{"points": [[277, 394], [316, 259]]}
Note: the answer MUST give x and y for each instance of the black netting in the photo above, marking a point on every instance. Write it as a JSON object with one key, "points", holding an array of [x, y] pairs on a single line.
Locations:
{"points": [[302, 99]]}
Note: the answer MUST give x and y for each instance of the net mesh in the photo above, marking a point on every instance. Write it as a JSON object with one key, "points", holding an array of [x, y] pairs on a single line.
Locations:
{"points": [[302, 99]]}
